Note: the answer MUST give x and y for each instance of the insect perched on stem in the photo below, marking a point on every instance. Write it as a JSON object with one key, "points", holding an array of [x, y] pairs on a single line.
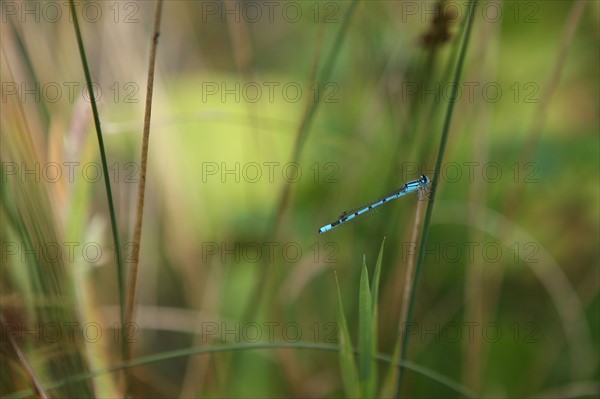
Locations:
{"points": [[420, 185]]}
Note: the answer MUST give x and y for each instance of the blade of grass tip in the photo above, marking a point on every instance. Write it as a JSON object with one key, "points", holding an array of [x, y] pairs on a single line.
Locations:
{"points": [[376, 277], [109, 196], [442, 148], [366, 339], [137, 235], [346, 354]]}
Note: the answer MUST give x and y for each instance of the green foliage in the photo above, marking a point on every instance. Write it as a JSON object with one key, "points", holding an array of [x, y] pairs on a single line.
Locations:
{"points": [[361, 382]]}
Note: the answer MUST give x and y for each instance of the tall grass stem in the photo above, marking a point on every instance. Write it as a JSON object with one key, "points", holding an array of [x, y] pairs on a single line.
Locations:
{"points": [[438, 165], [106, 175]]}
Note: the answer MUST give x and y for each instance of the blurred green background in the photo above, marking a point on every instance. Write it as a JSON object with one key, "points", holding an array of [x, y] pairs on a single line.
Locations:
{"points": [[269, 119]]}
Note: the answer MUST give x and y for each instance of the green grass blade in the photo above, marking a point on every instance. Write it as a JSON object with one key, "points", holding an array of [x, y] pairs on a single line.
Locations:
{"points": [[37, 288], [109, 196], [137, 233], [347, 363], [438, 165], [375, 300], [376, 278], [236, 347], [325, 76], [366, 337], [264, 291]]}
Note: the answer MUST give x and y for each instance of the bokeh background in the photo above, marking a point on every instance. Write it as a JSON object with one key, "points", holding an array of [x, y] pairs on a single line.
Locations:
{"points": [[269, 119]]}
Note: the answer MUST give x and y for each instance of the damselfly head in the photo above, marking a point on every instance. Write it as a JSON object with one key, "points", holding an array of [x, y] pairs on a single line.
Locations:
{"points": [[425, 180]]}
